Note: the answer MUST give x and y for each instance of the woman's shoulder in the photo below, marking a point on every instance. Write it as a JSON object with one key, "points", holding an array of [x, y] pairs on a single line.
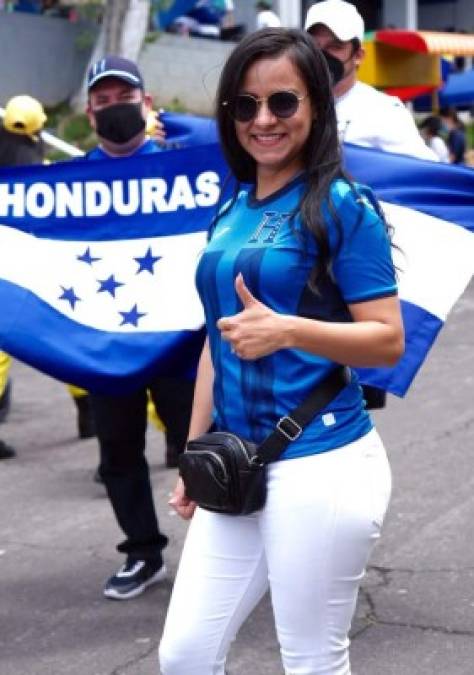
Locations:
{"points": [[348, 198], [342, 190]]}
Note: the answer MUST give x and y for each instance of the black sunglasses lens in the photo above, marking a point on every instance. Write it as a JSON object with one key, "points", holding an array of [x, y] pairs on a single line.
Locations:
{"points": [[244, 108], [283, 104]]}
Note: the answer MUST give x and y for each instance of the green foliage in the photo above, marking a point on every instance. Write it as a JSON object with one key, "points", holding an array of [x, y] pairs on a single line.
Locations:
{"points": [[55, 114], [70, 127], [90, 11], [75, 128], [176, 106], [152, 36], [85, 40], [160, 5]]}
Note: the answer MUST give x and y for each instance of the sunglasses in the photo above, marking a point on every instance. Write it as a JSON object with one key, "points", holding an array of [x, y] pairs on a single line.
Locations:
{"points": [[282, 104]]}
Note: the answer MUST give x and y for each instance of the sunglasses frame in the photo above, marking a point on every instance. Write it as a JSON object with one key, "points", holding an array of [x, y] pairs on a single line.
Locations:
{"points": [[265, 99]]}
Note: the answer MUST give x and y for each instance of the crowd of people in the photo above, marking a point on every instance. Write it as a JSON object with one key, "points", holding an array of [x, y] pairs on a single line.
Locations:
{"points": [[215, 19], [44, 7], [281, 314]]}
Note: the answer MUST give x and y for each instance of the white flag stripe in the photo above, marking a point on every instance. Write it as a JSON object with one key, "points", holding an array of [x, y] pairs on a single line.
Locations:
{"points": [[168, 297], [436, 258]]}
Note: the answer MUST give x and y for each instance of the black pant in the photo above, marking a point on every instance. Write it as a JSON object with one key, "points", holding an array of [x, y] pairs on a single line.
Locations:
{"points": [[121, 423]]}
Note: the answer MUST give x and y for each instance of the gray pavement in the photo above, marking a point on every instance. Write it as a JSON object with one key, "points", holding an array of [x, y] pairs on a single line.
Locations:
{"points": [[415, 614]]}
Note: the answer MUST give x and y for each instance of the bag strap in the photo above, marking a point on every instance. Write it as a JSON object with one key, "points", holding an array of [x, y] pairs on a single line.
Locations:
{"points": [[291, 426]]}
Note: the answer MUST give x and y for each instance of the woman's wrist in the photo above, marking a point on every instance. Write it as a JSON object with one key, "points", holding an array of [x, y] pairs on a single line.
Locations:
{"points": [[288, 331]]}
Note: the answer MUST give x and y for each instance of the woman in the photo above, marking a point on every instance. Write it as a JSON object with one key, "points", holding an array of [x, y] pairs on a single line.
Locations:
{"points": [[297, 277]]}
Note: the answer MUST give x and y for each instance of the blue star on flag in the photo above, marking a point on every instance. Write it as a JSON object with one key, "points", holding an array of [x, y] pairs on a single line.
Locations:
{"points": [[110, 285], [147, 261], [132, 317], [70, 296], [87, 257]]}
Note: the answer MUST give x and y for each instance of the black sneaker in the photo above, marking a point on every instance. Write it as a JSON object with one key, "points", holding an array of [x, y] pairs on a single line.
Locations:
{"points": [[132, 579]]}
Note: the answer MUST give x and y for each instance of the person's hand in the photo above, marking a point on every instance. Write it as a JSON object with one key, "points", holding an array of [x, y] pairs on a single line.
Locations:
{"points": [[183, 506], [155, 127], [257, 330]]}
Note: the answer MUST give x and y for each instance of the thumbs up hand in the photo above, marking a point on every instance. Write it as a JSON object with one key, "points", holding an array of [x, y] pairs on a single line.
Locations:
{"points": [[257, 330]]}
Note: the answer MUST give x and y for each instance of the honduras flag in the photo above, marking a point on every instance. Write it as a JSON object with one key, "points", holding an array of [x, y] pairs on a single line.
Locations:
{"points": [[97, 260], [431, 208], [97, 264]]}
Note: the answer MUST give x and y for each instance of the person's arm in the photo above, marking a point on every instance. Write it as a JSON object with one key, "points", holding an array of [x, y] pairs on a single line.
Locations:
{"points": [[201, 416], [375, 338], [201, 419]]}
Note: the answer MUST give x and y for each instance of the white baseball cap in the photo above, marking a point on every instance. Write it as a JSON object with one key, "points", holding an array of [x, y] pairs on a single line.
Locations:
{"points": [[342, 18]]}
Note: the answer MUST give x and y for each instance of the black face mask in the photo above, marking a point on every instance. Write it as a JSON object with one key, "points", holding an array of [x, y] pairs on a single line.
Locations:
{"points": [[336, 67], [120, 122]]}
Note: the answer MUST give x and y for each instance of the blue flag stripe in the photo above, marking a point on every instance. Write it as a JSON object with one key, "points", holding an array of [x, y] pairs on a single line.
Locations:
{"points": [[101, 361], [421, 329], [441, 190]]}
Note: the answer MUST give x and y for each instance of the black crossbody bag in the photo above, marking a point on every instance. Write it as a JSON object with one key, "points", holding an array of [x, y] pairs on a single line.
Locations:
{"points": [[227, 474]]}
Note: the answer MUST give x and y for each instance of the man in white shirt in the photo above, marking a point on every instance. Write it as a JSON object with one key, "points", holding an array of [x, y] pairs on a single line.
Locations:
{"points": [[365, 116]]}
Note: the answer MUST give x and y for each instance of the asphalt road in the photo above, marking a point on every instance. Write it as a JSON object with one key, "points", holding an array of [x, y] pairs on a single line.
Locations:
{"points": [[415, 614]]}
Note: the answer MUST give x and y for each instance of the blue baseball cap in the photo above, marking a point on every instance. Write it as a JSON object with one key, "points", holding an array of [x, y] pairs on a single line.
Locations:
{"points": [[117, 67]]}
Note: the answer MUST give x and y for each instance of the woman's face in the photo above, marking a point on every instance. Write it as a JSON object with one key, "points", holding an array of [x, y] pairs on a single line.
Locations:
{"points": [[276, 144]]}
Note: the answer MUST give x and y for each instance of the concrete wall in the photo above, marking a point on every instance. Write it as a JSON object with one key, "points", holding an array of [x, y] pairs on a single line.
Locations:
{"points": [[184, 68], [459, 14], [40, 56]]}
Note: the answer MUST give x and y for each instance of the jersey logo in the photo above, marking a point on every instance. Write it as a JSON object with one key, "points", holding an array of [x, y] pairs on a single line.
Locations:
{"points": [[269, 227]]}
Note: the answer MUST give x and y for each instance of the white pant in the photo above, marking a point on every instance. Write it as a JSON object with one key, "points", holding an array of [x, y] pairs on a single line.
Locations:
{"points": [[310, 544]]}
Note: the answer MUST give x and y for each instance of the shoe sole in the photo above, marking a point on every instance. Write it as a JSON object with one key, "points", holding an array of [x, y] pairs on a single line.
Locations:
{"points": [[112, 594]]}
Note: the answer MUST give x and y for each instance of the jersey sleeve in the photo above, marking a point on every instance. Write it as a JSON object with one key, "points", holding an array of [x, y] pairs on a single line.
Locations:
{"points": [[362, 264]]}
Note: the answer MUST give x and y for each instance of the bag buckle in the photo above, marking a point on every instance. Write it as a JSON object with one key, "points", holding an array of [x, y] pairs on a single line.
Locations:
{"points": [[256, 462], [289, 428]]}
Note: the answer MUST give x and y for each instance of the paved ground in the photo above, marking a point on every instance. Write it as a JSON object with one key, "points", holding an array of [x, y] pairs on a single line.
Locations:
{"points": [[57, 536]]}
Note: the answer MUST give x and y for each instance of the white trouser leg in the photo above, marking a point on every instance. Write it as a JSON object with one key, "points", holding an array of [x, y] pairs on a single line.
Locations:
{"points": [[313, 539], [222, 576], [322, 517]]}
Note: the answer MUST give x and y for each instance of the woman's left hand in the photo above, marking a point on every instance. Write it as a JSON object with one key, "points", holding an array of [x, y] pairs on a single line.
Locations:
{"points": [[257, 330]]}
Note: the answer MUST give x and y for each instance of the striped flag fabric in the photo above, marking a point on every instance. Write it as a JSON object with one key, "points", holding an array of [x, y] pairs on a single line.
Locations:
{"points": [[97, 260], [97, 263], [431, 209]]}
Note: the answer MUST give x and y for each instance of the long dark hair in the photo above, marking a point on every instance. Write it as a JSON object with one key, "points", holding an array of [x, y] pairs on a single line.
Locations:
{"points": [[322, 156]]}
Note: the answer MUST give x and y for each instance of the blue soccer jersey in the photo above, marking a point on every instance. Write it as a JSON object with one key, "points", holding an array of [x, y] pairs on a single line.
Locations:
{"points": [[275, 254], [147, 148]]}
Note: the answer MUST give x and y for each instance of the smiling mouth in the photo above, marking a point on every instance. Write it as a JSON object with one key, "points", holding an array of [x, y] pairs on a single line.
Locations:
{"points": [[267, 139]]}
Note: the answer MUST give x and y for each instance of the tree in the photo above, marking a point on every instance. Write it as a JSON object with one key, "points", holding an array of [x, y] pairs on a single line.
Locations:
{"points": [[123, 29]]}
